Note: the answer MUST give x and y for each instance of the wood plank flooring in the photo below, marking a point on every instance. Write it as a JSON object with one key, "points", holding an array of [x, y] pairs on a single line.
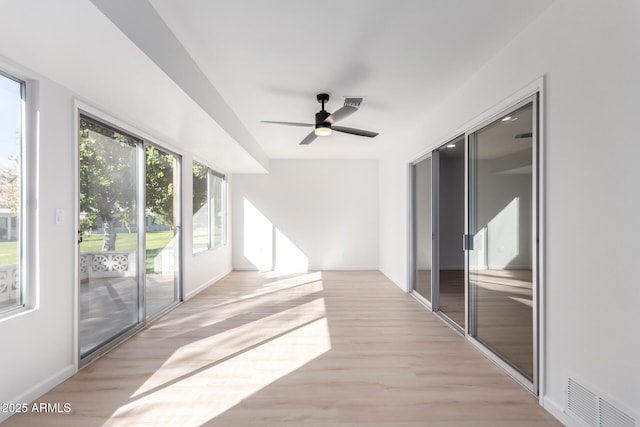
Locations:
{"points": [[311, 349]]}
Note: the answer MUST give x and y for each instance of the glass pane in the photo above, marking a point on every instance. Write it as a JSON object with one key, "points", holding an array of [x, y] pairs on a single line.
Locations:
{"points": [[217, 206], [200, 208], [10, 161], [162, 245], [501, 262], [423, 235], [451, 229], [109, 251]]}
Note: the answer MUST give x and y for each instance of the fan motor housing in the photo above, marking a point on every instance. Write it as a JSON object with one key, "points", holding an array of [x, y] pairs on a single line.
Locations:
{"points": [[321, 116]]}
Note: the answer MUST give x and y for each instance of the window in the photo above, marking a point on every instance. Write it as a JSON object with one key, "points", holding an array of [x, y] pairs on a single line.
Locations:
{"points": [[209, 209], [12, 95], [219, 211], [200, 208]]}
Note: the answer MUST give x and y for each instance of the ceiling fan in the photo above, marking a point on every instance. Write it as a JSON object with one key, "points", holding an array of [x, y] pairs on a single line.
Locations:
{"points": [[325, 120]]}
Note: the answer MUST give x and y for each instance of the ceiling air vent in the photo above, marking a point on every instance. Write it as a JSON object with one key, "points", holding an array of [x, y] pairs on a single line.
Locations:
{"points": [[593, 410], [353, 101]]}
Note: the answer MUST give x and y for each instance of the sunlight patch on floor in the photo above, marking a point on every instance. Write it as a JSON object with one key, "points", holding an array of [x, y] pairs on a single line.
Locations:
{"points": [[306, 284], [252, 348], [224, 385]]}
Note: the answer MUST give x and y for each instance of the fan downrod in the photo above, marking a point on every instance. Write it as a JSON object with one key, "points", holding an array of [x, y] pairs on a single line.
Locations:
{"points": [[322, 98]]}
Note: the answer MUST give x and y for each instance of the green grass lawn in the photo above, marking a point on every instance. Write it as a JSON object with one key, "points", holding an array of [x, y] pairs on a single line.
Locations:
{"points": [[156, 240], [8, 252]]}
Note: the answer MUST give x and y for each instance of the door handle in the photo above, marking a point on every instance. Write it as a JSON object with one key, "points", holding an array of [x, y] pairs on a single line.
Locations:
{"points": [[467, 242], [79, 236]]}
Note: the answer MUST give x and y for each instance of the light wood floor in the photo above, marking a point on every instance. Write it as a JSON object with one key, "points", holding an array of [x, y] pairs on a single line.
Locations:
{"points": [[314, 349]]}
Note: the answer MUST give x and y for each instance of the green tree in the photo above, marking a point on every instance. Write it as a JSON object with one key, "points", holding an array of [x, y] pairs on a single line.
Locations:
{"points": [[160, 185], [200, 173], [107, 177], [108, 180]]}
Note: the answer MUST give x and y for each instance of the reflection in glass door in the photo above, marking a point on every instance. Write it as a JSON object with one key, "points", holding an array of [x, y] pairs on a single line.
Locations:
{"points": [[109, 247], [449, 278], [501, 227], [422, 228], [129, 237], [162, 236]]}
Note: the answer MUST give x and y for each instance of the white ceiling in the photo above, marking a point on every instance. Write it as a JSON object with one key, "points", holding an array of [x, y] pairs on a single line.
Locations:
{"points": [[269, 59], [201, 74], [73, 44]]}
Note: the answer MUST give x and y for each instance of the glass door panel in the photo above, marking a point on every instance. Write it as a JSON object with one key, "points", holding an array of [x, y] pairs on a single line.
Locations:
{"points": [[162, 230], [108, 259], [422, 231], [501, 227], [451, 208]]}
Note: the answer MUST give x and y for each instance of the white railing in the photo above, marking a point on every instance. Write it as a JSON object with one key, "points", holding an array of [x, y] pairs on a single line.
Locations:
{"points": [[8, 282], [92, 265], [107, 264]]}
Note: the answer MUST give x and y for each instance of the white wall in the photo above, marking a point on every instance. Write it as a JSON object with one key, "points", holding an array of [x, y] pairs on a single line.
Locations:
{"points": [[49, 328], [327, 209], [200, 269], [589, 54]]}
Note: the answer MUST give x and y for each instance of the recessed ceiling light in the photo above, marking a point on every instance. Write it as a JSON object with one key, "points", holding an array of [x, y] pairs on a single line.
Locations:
{"points": [[504, 119], [451, 146]]}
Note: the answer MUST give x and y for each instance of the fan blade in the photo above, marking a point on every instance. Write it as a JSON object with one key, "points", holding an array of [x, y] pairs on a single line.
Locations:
{"points": [[341, 113], [309, 138], [287, 123], [353, 131]]}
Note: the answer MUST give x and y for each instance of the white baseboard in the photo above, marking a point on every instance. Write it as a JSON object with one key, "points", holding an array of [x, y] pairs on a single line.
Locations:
{"points": [[206, 284], [41, 388], [557, 411], [406, 288], [244, 268], [317, 268], [344, 268]]}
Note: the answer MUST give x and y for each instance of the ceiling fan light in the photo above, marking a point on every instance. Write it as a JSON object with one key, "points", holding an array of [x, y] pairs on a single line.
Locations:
{"points": [[323, 130]]}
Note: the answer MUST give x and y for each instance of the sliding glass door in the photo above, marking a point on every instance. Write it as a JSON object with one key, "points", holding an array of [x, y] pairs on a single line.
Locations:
{"points": [[449, 281], [502, 227], [129, 237], [438, 224], [162, 231], [422, 223], [109, 241], [475, 237]]}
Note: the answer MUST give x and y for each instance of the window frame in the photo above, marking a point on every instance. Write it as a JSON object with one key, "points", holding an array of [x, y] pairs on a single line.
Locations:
{"points": [[24, 218], [223, 209], [210, 209]]}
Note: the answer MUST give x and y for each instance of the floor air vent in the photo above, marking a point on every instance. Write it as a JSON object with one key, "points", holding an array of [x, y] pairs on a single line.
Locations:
{"points": [[594, 410]]}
